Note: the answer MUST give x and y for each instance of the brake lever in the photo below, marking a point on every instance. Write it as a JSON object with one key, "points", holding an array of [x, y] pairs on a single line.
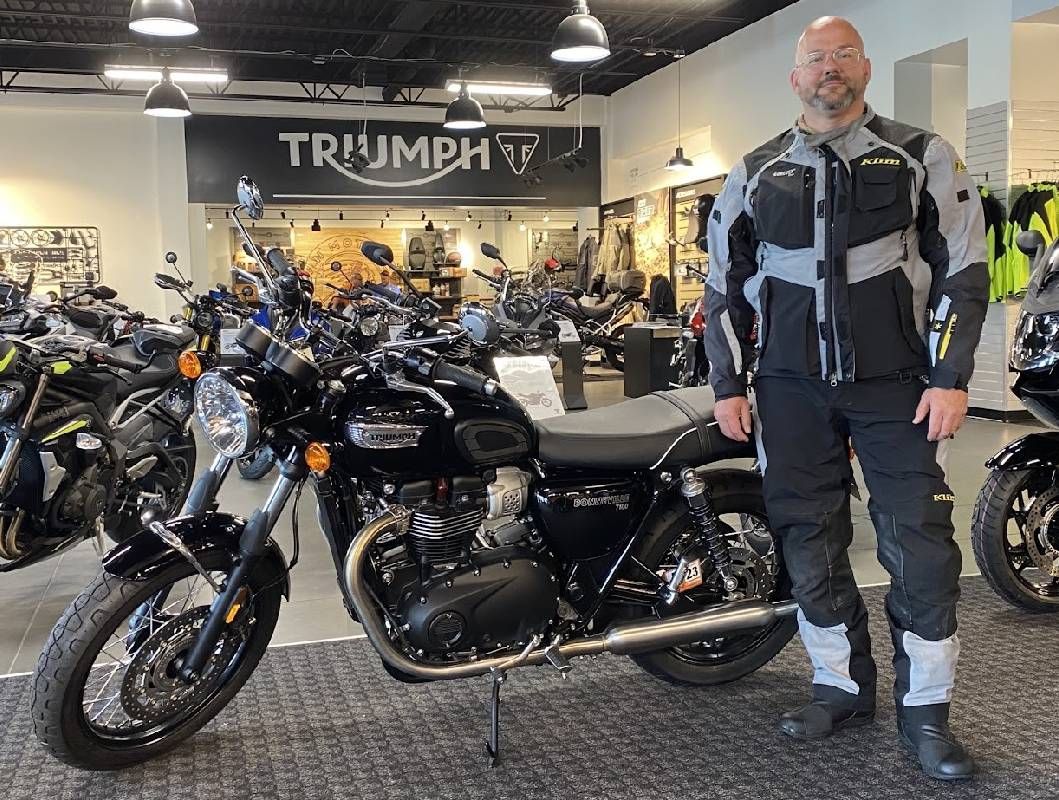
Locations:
{"points": [[398, 382]]}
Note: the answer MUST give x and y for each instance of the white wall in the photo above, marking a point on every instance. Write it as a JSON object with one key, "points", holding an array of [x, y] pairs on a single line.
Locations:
{"points": [[737, 89], [114, 170]]}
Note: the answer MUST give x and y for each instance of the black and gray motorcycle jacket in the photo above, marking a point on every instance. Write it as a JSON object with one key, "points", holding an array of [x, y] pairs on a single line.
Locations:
{"points": [[861, 251]]}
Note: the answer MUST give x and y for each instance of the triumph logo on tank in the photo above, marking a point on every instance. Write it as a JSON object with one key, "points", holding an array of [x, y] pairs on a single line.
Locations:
{"points": [[432, 157]]}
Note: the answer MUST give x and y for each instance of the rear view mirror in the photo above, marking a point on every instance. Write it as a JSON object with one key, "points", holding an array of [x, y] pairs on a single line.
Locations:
{"points": [[104, 293], [1029, 242], [250, 198], [336, 266], [170, 257], [378, 254], [490, 250]]}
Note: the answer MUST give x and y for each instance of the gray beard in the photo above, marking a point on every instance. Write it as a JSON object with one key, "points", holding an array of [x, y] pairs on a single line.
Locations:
{"points": [[840, 103]]}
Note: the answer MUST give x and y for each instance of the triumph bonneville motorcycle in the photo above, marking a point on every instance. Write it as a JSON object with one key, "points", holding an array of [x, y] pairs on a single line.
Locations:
{"points": [[1015, 529], [468, 541]]}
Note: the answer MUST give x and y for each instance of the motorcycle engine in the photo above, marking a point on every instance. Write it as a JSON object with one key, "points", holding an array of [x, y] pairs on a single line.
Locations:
{"points": [[453, 586]]}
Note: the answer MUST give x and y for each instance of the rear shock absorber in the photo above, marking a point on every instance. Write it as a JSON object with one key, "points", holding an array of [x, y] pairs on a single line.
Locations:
{"points": [[700, 503]]}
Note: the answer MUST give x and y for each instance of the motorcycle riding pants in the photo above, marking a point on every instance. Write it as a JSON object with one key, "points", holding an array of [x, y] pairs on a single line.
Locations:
{"points": [[803, 429]]}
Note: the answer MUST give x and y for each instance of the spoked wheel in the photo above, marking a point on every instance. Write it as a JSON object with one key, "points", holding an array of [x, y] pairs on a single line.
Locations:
{"points": [[757, 564], [1015, 537], [107, 691]]}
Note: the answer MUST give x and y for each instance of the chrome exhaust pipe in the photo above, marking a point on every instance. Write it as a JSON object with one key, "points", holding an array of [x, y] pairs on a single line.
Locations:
{"points": [[626, 638]]}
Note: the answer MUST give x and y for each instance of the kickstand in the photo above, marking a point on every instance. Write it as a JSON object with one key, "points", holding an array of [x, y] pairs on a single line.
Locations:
{"points": [[492, 747]]}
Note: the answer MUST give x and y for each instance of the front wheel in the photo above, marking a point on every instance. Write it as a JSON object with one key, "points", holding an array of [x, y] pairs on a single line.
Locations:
{"points": [[1015, 537], [757, 563], [107, 693], [256, 465]]}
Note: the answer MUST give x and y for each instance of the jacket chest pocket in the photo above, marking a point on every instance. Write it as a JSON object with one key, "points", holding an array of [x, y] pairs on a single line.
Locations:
{"points": [[784, 207], [882, 199]]}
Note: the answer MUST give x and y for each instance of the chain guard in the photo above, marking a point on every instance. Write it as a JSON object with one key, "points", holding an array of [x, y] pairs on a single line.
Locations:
{"points": [[1040, 520], [152, 691]]}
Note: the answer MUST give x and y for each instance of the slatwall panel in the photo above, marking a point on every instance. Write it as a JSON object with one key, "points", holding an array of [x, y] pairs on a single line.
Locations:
{"points": [[1034, 141], [987, 147], [989, 384]]}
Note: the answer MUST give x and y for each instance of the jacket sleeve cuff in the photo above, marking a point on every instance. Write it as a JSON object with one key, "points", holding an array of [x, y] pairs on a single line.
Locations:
{"points": [[941, 378], [729, 387]]}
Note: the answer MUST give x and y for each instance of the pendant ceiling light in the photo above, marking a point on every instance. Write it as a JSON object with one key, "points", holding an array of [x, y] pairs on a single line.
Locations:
{"points": [[464, 112], [679, 161], [580, 38], [166, 99], [163, 18]]}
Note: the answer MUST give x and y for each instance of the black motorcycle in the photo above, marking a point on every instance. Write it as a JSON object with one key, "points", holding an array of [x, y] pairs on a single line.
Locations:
{"points": [[467, 541], [94, 436], [1015, 530]]}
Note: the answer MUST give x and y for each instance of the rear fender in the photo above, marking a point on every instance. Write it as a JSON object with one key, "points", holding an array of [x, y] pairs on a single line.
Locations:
{"points": [[1032, 451], [144, 554]]}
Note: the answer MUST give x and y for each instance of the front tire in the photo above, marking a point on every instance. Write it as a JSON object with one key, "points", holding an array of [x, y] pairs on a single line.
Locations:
{"points": [[737, 500], [1002, 535], [81, 731]]}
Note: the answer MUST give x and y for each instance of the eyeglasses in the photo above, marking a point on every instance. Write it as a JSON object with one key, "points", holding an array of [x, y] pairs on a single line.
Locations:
{"points": [[843, 57]]}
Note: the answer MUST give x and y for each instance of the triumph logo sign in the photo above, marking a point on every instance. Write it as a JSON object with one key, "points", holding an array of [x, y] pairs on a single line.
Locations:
{"points": [[435, 155], [518, 149], [336, 162]]}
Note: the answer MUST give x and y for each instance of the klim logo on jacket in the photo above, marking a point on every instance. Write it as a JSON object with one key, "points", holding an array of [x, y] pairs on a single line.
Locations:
{"points": [[875, 162], [423, 160]]}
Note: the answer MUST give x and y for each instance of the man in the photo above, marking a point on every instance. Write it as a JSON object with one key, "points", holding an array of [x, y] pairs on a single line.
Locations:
{"points": [[858, 244]]}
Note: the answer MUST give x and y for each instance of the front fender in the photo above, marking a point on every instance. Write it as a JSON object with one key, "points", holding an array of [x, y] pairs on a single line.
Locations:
{"points": [[144, 555], [1030, 452]]}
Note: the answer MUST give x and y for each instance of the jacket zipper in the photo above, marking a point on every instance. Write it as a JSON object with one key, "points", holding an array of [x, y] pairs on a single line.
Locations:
{"points": [[830, 190]]}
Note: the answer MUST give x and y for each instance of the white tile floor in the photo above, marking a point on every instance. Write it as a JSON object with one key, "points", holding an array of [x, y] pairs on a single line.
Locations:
{"points": [[33, 599]]}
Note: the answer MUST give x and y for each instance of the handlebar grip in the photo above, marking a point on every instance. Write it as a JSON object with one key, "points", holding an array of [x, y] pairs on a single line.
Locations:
{"points": [[472, 381], [278, 261], [487, 278]]}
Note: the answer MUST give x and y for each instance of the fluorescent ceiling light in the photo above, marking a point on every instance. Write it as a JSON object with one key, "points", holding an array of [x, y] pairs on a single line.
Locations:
{"points": [[119, 72], [503, 87]]}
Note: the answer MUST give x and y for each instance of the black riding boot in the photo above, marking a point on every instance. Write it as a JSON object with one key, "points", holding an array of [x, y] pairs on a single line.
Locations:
{"points": [[925, 729], [820, 719]]}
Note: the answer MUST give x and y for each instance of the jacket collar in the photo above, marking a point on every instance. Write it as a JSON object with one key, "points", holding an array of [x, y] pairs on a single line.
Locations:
{"points": [[846, 133]]}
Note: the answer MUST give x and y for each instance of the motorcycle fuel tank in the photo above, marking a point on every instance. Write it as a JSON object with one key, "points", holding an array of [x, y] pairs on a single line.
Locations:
{"points": [[407, 434]]}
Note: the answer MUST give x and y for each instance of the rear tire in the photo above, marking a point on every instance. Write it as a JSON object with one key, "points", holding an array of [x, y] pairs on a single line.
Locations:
{"points": [[84, 630], [732, 494]]}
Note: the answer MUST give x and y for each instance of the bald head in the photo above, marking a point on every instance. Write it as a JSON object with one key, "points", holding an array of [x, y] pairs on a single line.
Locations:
{"points": [[831, 72], [826, 30]]}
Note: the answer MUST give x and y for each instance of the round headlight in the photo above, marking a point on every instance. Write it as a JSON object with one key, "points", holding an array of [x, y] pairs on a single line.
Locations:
{"points": [[228, 416], [369, 326]]}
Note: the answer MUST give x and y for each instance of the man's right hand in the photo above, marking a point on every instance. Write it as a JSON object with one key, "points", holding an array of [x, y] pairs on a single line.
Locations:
{"points": [[733, 415]]}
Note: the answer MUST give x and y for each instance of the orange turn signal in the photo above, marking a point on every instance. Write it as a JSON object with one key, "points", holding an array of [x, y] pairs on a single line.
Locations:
{"points": [[189, 365], [317, 458]]}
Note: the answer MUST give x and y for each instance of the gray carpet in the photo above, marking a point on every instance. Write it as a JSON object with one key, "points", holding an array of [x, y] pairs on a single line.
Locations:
{"points": [[324, 721]]}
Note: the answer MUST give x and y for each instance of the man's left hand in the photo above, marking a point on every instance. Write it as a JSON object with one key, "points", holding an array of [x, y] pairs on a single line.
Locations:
{"points": [[947, 409]]}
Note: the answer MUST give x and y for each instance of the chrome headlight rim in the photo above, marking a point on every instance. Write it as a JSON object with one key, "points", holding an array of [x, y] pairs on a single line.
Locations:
{"points": [[250, 414]]}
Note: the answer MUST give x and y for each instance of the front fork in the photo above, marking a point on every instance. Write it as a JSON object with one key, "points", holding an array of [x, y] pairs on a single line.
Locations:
{"points": [[252, 544], [203, 494], [13, 448]]}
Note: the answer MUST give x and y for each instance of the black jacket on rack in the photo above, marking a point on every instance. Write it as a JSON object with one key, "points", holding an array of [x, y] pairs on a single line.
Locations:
{"points": [[662, 302]]}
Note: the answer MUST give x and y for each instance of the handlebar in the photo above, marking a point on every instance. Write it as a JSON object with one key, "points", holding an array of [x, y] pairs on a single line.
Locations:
{"points": [[472, 381], [487, 278], [104, 357]]}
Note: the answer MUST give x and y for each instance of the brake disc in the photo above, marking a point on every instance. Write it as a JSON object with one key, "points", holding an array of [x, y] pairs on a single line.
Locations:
{"points": [[750, 569], [153, 690], [1039, 535]]}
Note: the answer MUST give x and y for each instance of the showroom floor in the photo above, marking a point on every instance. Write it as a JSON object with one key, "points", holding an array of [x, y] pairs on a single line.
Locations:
{"points": [[34, 598]]}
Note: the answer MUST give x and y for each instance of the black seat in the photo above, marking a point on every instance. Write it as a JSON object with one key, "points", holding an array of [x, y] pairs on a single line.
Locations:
{"points": [[598, 310], [163, 367], [640, 433], [162, 338]]}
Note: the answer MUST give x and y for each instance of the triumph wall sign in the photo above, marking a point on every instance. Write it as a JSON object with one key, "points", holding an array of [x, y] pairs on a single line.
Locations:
{"points": [[320, 162]]}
